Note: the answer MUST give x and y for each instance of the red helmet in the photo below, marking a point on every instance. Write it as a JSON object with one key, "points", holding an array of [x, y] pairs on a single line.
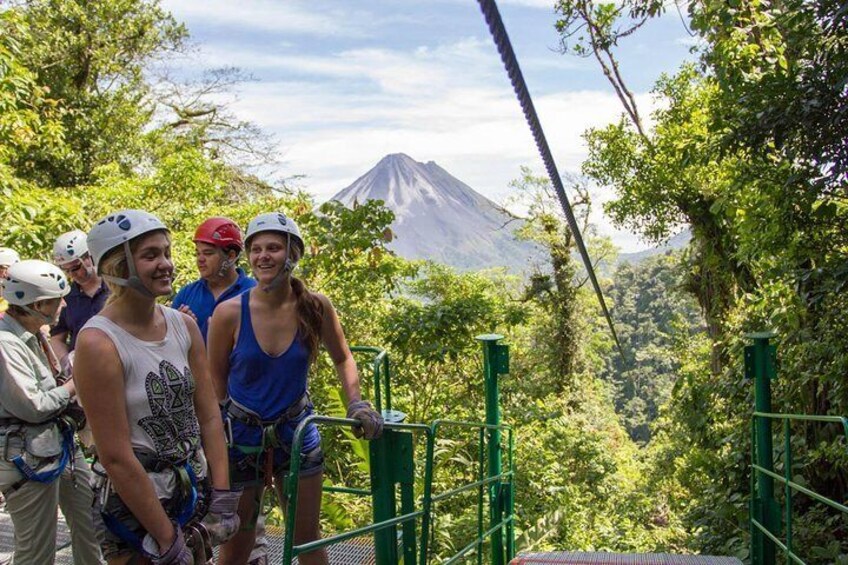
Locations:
{"points": [[220, 232]]}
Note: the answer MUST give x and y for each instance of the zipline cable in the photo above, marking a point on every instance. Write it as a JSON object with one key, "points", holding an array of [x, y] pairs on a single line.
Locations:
{"points": [[498, 31]]}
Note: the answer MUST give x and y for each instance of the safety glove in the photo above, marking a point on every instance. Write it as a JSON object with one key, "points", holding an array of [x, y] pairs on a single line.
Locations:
{"points": [[370, 422], [221, 520], [178, 554], [74, 412]]}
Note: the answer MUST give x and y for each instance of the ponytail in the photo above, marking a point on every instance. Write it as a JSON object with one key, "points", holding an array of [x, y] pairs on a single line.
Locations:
{"points": [[310, 315]]}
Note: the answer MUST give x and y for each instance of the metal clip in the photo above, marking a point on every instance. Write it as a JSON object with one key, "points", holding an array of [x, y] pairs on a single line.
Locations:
{"points": [[104, 493], [228, 431], [18, 433], [200, 542]]}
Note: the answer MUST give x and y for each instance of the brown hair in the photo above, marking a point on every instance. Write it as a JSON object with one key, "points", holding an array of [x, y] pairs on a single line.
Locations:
{"points": [[310, 311], [310, 315]]}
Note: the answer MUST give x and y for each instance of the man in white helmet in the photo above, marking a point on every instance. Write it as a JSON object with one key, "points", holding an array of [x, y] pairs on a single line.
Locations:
{"points": [[40, 465], [88, 291], [8, 257]]}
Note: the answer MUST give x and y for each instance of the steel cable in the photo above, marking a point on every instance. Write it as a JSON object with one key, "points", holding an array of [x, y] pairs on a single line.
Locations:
{"points": [[498, 31]]}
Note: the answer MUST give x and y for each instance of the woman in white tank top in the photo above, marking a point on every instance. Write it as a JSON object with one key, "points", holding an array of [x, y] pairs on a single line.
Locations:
{"points": [[142, 376]]}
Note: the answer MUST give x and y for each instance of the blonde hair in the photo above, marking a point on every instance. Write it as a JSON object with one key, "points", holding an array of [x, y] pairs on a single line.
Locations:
{"points": [[115, 264]]}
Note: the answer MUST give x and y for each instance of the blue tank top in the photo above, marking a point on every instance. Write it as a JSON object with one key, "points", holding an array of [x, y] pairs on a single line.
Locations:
{"points": [[266, 384]]}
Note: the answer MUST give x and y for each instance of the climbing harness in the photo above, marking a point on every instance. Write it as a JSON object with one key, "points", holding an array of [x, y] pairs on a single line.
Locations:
{"points": [[15, 428], [186, 494], [261, 457], [499, 35]]}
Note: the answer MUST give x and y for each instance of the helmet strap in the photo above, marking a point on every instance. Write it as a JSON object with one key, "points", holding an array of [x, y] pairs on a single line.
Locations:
{"points": [[288, 267], [227, 263], [47, 320], [133, 281]]}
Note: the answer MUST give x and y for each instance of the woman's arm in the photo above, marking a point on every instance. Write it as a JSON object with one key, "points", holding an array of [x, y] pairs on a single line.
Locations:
{"points": [[207, 410], [332, 336], [370, 422], [22, 395], [220, 343], [98, 373]]}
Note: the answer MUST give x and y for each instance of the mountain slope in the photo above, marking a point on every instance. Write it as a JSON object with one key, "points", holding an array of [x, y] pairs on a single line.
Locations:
{"points": [[438, 217]]}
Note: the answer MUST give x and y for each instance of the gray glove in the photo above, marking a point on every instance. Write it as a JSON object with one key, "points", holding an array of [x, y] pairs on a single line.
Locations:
{"points": [[178, 554], [370, 422], [76, 414], [221, 520]]}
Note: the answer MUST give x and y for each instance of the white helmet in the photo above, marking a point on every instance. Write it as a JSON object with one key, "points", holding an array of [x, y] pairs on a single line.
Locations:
{"points": [[8, 257], [277, 222], [274, 221], [119, 229], [69, 247], [33, 280]]}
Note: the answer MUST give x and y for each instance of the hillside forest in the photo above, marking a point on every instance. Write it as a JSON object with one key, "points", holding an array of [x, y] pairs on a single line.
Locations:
{"points": [[646, 449]]}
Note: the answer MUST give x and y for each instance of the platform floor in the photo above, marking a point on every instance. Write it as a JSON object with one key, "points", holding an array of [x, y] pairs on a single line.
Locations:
{"points": [[361, 552], [582, 558], [354, 552]]}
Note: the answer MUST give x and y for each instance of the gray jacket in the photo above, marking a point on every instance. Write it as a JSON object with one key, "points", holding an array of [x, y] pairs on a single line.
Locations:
{"points": [[28, 389]]}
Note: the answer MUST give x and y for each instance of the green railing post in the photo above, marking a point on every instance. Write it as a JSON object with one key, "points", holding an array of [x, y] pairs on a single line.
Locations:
{"points": [[495, 362], [383, 500], [760, 361]]}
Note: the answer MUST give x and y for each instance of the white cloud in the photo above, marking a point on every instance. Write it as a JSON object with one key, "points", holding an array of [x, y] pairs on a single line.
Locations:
{"points": [[545, 4], [337, 114], [689, 41], [290, 16]]}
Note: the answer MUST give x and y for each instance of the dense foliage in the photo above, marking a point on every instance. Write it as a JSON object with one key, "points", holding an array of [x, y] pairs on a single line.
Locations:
{"points": [[87, 128], [748, 149], [645, 451]]}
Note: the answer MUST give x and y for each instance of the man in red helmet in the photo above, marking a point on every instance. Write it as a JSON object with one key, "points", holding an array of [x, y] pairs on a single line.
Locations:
{"points": [[218, 244]]}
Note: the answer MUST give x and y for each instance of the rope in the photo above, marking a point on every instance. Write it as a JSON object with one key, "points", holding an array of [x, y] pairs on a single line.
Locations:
{"points": [[498, 31]]}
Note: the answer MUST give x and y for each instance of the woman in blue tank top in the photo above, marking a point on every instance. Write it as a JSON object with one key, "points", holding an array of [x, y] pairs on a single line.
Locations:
{"points": [[261, 345]]}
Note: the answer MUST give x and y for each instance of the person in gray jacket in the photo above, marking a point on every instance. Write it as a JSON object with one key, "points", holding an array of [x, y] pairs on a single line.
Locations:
{"points": [[41, 467]]}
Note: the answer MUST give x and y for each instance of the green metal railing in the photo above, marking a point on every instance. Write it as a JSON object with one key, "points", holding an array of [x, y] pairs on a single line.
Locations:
{"points": [[389, 524], [380, 371], [501, 499], [766, 515], [392, 470]]}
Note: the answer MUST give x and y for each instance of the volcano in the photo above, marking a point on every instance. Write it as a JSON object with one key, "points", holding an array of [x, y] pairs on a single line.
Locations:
{"points": [[440, 218]]}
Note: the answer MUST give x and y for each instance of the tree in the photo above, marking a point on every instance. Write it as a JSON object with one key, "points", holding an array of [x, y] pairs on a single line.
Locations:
{"points": [[782, 68], [104, 64], [29, 117], [93, 57], [555, 292], [652, 309], [594, 29], [732, 152]]}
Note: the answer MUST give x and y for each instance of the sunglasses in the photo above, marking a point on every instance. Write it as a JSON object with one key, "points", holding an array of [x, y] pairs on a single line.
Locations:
{"points": [[73, 268]]}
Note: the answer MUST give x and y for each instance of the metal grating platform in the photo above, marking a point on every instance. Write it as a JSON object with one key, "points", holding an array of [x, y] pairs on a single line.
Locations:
{"points": [[580, 558], [354, 552]]}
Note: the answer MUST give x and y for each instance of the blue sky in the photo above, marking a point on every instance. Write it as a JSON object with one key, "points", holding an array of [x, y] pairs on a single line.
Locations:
{"points": [[341, 83]]}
